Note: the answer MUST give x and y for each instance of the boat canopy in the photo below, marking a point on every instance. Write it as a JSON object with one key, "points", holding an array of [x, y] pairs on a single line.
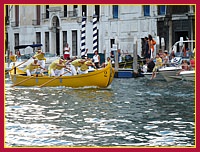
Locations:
{"points": [[24, 46]]}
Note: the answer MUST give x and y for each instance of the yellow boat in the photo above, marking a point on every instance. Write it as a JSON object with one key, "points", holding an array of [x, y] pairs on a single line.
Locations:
{"points": [[100, 78]]}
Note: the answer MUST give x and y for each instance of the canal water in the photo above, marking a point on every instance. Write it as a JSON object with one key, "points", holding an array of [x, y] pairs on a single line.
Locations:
{"points": [[131, 112]]}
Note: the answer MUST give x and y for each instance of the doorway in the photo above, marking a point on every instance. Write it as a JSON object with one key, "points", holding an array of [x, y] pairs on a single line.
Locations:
{"points": [[56, 34], [179, 34]]}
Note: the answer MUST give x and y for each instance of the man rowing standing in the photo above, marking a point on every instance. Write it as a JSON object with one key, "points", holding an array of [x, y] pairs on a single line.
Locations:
{"points": [[41, 59]]}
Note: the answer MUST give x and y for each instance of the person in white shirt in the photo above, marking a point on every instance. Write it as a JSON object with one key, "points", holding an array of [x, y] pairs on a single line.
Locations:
{"points": [[96, 59], [66, 51]]}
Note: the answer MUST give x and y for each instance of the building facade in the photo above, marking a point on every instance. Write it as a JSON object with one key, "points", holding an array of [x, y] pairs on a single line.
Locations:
{"points": [[55, 25]]}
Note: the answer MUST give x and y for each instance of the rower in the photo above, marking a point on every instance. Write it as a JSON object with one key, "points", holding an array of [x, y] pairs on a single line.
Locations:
{"points": [[56, 68], [40, 56], [32, 67]]}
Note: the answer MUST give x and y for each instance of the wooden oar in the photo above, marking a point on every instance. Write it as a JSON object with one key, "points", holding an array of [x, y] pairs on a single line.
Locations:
{"points": [[22, 81], [16, 66], [54, 78]]}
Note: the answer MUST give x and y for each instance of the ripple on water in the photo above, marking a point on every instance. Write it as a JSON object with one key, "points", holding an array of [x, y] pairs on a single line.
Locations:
{"points": [[132, 112]]}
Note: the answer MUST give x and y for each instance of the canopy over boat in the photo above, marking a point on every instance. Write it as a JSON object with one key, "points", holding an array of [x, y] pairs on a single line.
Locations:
{"points": [[100, 78], [24, 46]]}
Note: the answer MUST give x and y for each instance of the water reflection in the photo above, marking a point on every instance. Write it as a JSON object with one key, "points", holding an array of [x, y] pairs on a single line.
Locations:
{"points": [[132, 112]]}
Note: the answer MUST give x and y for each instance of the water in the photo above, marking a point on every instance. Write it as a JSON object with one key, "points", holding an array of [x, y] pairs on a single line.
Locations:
{"points": [[131, 112]]}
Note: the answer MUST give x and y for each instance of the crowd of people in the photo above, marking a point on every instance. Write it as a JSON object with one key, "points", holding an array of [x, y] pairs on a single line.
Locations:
{"points": [[164, 59]]}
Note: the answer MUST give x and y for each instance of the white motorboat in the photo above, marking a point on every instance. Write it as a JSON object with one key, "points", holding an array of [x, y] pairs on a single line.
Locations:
{"points": [[188, 75], [170, 73]]}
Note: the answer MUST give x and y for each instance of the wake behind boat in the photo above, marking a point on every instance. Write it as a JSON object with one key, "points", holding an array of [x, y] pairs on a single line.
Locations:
{"points": [[100, 78]]}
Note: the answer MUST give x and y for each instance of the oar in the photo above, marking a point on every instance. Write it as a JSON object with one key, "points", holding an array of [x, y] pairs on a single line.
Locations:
{"points": [[54, 78], [16, 66], [22, 81]]}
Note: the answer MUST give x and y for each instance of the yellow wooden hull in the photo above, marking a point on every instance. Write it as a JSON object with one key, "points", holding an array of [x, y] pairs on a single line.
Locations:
{"points": [[99, 78]]}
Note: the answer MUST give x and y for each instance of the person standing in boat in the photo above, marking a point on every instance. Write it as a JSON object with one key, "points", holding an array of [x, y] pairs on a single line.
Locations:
{"points": [[33, 67], [96, 59], [66, 51], [152, 42], [12, 57], [40, 56], [18, 56], [56, 68], [147, 52]]}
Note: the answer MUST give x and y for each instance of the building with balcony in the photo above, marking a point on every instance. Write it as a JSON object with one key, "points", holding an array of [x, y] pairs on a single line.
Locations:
{"points": [[56, 25]]}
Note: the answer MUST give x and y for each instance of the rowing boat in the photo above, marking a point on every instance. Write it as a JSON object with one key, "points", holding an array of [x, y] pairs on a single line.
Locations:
{"points": [[100, 78]]}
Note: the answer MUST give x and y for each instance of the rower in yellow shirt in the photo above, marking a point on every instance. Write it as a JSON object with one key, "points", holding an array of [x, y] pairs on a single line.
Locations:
{"points": [[41, 59], [84, 67], [56, 68], [77, 63], [32, 67]]}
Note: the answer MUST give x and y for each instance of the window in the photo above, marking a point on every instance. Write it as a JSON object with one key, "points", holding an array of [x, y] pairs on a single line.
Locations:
{"points": [[6, 41], [7, 16], [38, 14], [16, 35], [74, 43], [84, 9], [17, 15], [146, 10], [47, 11], [97, 11], [180, 9], [161, 10], [65, 10], [38, 38], [46, 41], [75, 10], [115, 11], [64, 38], [112, 41]]}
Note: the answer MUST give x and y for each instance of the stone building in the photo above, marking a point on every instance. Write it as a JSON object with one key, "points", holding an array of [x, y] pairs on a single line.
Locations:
{"points": [[55, 25]]}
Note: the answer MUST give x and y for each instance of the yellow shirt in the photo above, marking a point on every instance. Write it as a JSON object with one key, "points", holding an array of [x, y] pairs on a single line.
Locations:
{"points": [[13, 58], [54, 65], [76, 63], [31, 67], [84, 65], [40, 56], [158, 62]]}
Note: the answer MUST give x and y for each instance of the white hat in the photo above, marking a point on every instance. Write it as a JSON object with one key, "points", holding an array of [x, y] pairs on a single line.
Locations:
{"points": [[36, 59]]}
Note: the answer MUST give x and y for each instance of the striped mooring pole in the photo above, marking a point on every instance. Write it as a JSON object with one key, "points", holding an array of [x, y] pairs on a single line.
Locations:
{"points": [[83, 36], [94, 33]]}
